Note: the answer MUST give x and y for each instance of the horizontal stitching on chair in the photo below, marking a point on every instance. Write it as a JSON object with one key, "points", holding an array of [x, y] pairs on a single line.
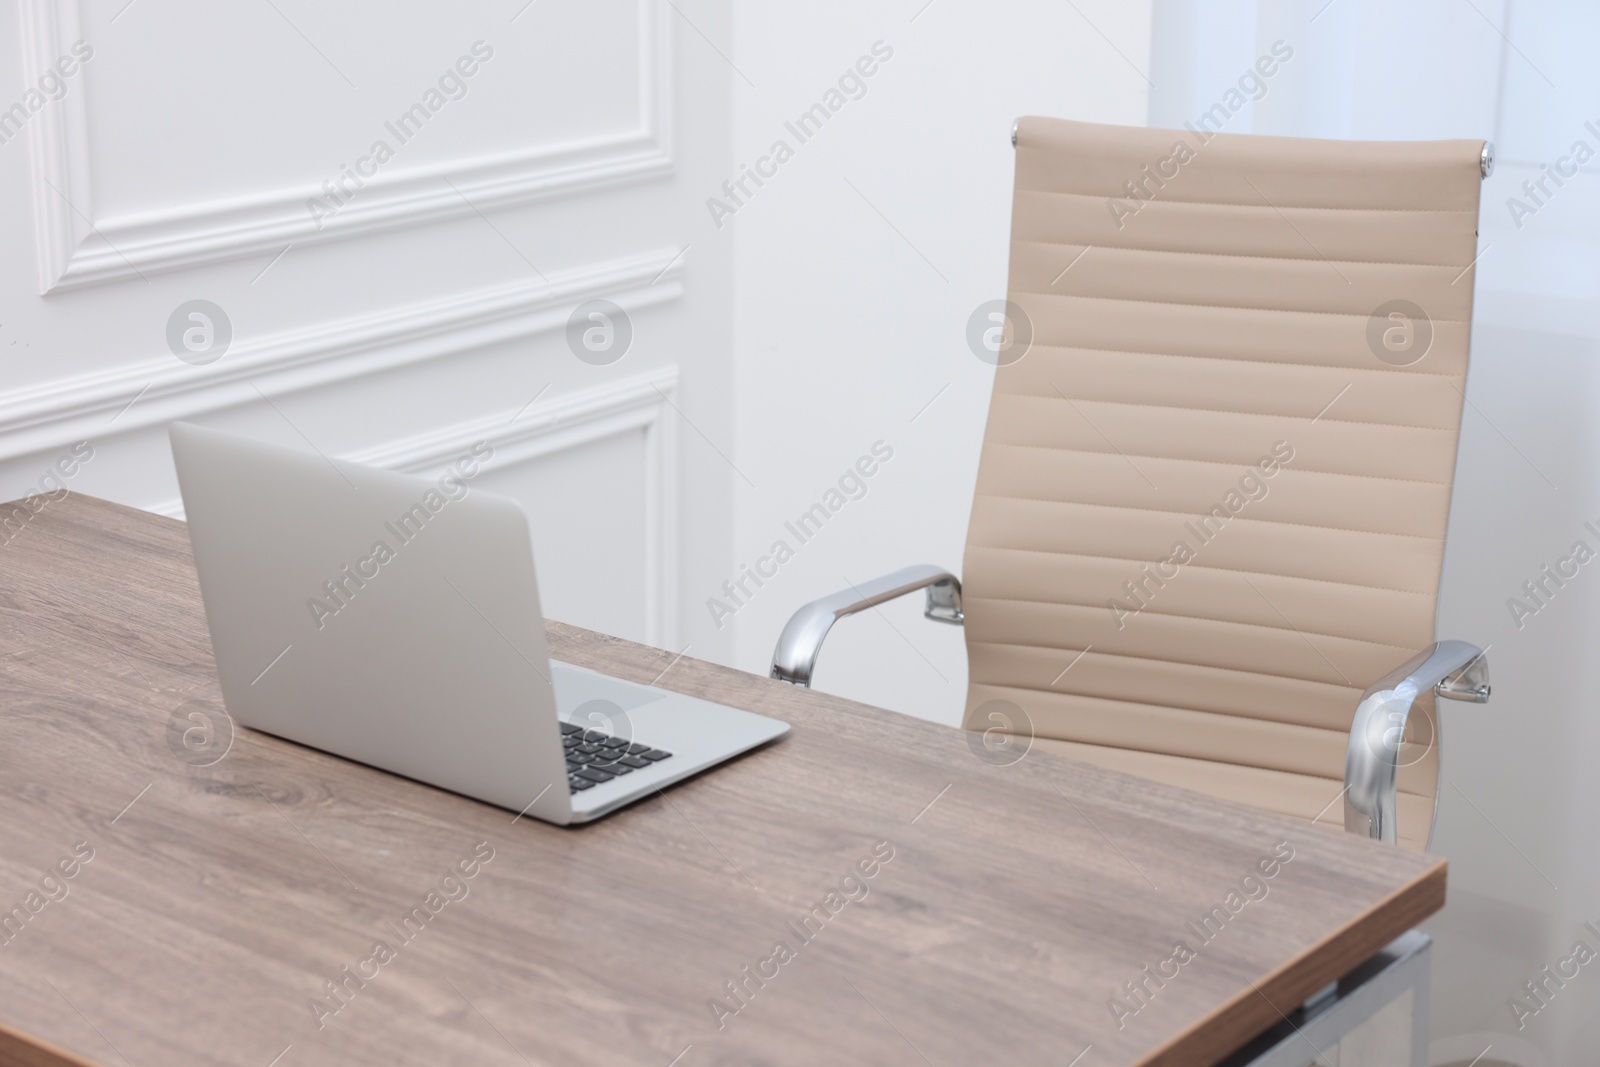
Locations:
{"points": [[1257, 362], [1337, 731], [1180, 662], [1227, 411], [1217, 307], [1292, 629], [1196, 759], [1216, 463], [1202, 759], [1343, 731], [1246, 255], [1164, 511], [1268, 207], [1203, 567]]}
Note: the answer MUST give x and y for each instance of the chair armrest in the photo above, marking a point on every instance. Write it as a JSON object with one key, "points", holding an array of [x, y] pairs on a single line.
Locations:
{"points": [[1452, 669], [801, 641]]}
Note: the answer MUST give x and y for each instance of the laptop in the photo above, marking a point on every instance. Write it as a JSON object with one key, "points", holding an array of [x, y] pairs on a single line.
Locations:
{"points": [[394, 619]]}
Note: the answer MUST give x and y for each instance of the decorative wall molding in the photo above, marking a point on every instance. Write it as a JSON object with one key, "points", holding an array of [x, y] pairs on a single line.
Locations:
{"points": [[58, 144], [76, 249], [561, 424], [159, 389]]}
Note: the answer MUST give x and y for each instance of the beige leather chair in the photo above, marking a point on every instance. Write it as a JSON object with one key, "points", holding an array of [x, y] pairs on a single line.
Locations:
{"points": [[1210, 514]]}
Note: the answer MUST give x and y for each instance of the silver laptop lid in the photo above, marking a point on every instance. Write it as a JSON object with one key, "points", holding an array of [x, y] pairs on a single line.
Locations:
{"points": [[383, 617]]}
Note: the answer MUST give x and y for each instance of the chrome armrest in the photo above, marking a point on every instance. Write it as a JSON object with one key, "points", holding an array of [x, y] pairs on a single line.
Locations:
{"points": [[1452, 669], [801, 641]]}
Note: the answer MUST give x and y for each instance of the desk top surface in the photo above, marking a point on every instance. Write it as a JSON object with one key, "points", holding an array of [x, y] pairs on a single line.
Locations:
{"points": [[209, 907]]}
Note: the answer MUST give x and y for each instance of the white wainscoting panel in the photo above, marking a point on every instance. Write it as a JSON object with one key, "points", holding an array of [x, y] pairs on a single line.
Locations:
{"points": [[572, 164], [158, 389], [78, 246]]}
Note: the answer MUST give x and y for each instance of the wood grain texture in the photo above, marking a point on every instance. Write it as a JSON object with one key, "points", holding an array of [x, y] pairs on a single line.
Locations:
{"points": [[220, 899]]}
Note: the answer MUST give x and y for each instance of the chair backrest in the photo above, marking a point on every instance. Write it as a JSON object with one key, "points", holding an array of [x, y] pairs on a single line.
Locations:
{"points": [[1222, 437]]}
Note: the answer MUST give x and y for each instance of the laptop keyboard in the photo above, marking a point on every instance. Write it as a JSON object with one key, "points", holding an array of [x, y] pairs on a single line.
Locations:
{"points": [[594, 757]]}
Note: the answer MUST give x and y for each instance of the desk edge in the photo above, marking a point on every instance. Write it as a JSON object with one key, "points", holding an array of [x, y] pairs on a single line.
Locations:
{"points": [[1231, 1024]]}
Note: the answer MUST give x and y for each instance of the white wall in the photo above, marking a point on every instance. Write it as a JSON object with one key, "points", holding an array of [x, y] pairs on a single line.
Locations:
{"points": [[423, 314], [858, 265], [1518, 773], [1525, 877]]}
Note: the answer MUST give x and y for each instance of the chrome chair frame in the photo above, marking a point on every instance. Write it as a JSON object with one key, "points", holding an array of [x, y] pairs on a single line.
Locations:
{"points": [[801, 641], [1454, 670]]}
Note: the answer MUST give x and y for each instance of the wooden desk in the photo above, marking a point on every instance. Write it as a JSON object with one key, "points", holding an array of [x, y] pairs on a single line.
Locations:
{"points": [[221, 898]]}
